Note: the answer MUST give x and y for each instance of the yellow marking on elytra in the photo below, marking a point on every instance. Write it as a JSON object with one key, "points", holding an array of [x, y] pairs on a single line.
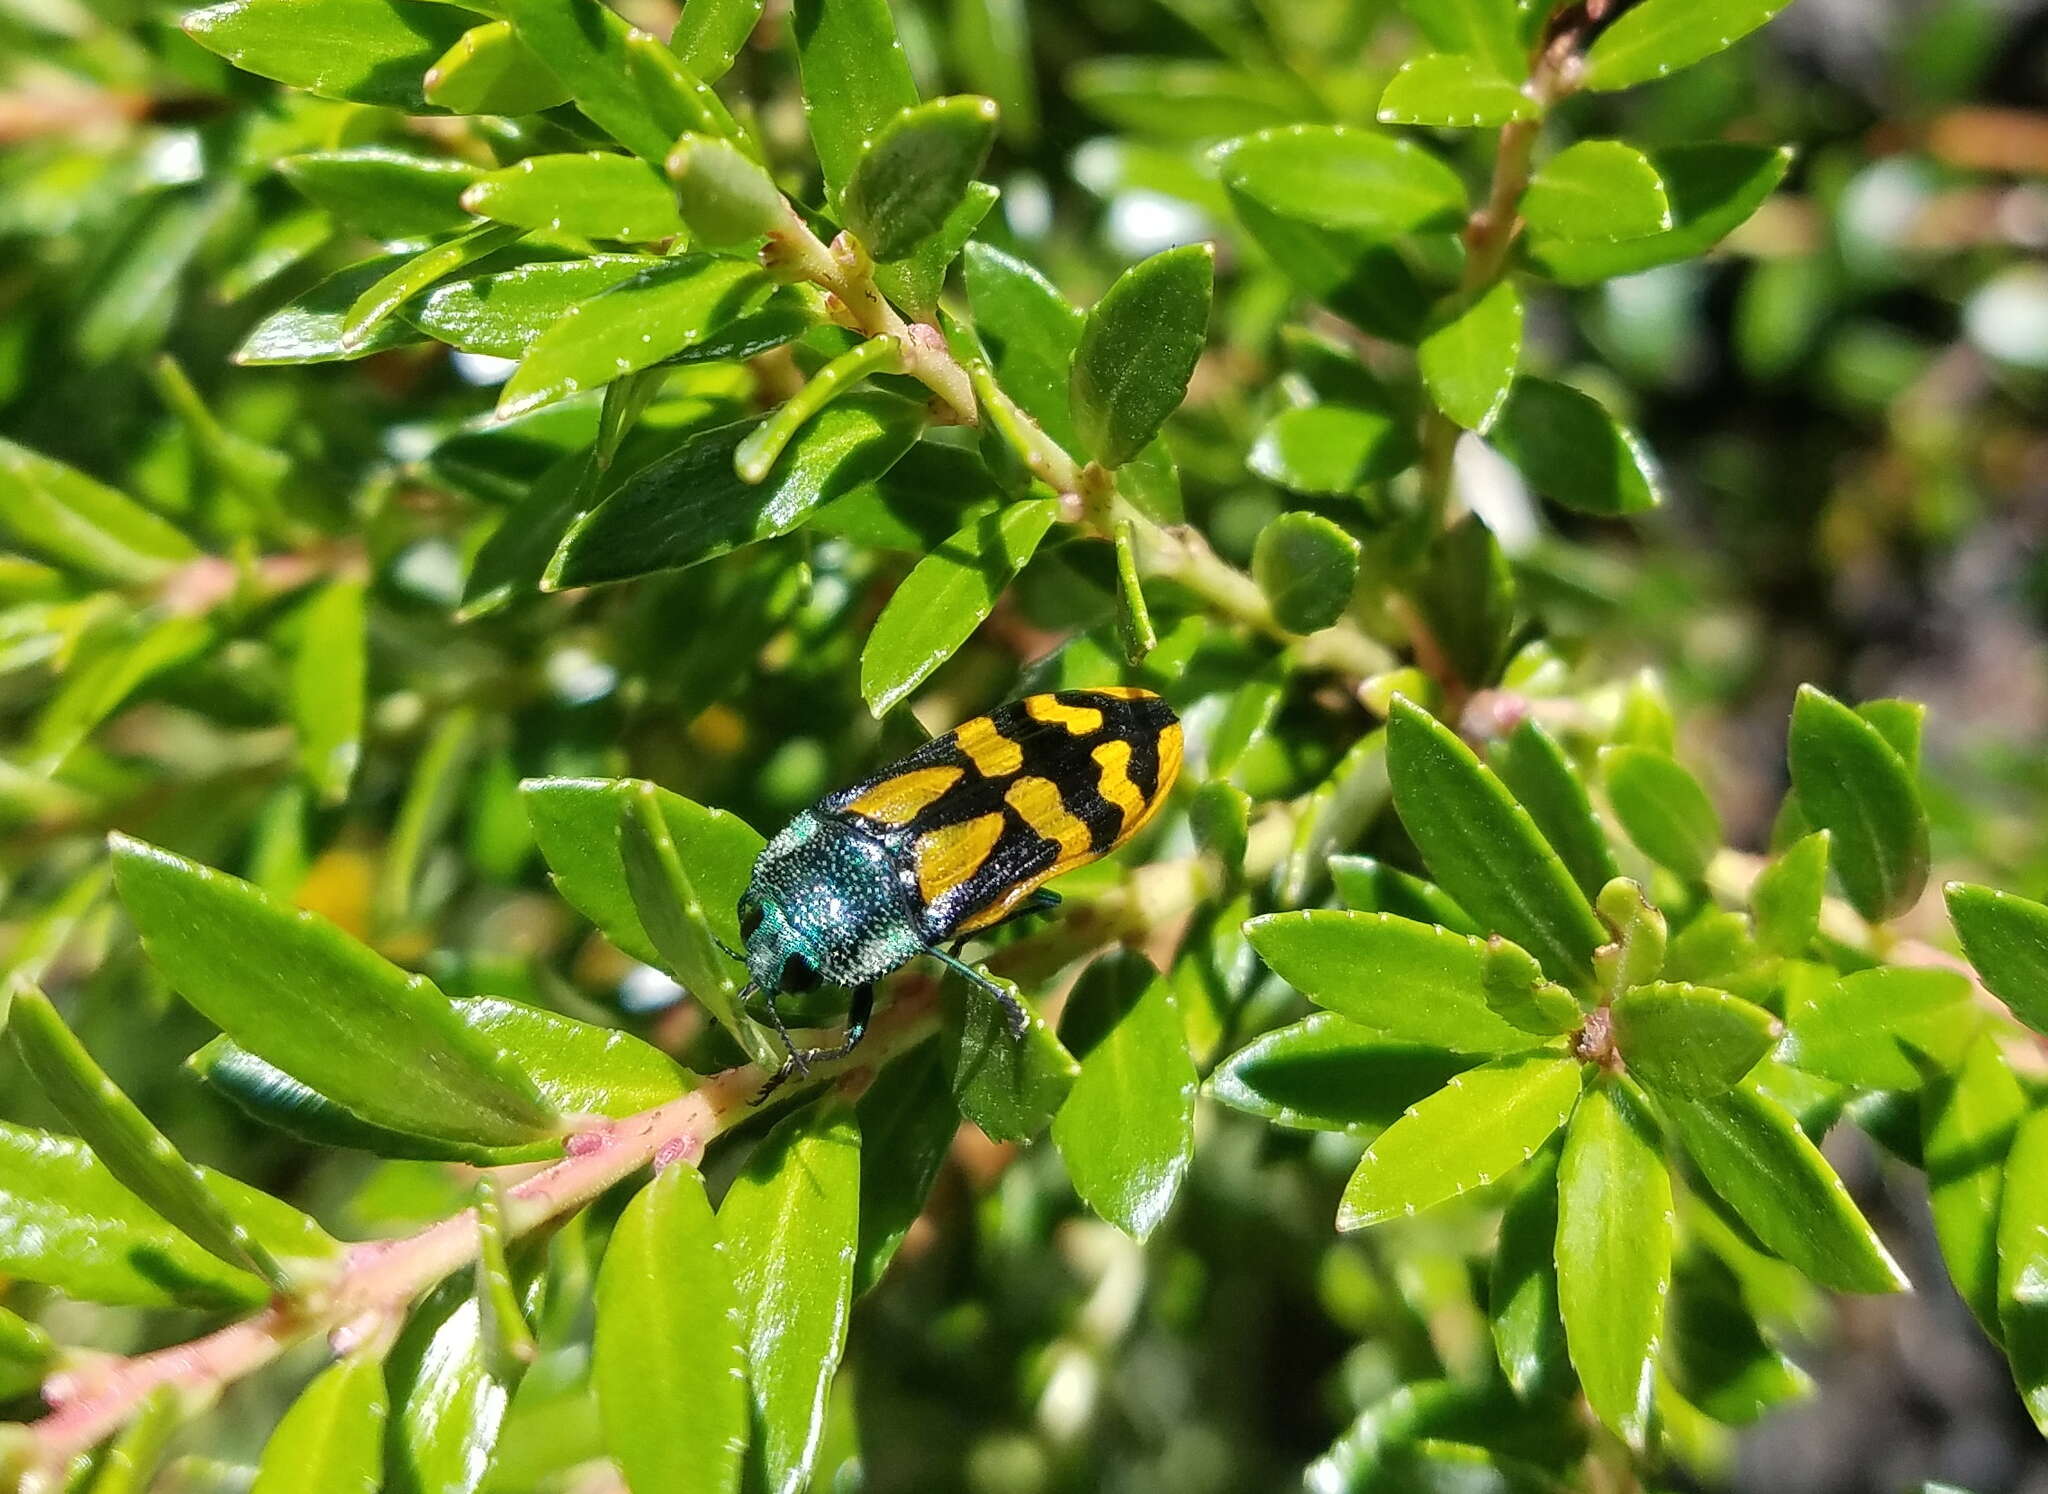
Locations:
{"points": [[951, 854], [1080, 721], [993, 754], [899, 800], [1114, 759], [1038, 802]]}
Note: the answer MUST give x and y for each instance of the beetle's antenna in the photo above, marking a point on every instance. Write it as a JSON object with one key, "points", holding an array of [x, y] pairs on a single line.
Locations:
{"points": [[731, 953]]}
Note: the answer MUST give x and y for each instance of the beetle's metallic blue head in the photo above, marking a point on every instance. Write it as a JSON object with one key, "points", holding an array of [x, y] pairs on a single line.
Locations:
{"points": [[778, 957]]}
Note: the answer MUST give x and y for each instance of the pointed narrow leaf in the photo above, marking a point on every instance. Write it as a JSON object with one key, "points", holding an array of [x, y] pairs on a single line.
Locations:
{"points": [[691, 506], [711, 33], [1659, 37], [80, 523], [1330, 1074], [379, 302], [388, 194], [945, 598], [296, 991], [1712, 189], [669, 1360], [308, 329], [1127, 1130], [916, 171], [593, 195], [1521, 1298], [363, 51], [1537, 772], [1484, 849], [1009, 1084], [1452, 91], [327, 688], [791, 1226], [1573, 452], [1597, 189], [855, 79], [67, 1223], [139, 1156], [1756, 1158], [1786, 900], [1469, 361], [1138, 348], [1030, 333], [2023, 1262], [1869, 1028], [907, 1121], [2006, 938], [1968, 1119], [914, 281], [491, 70], [1853, 784], [1308, 567], [1690, 1040], [1481, 1126], [1411, 981], [1614, 1217], [1663, 808], [331, 1441]]}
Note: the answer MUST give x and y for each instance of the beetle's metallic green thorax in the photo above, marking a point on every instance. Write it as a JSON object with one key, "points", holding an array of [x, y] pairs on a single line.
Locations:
{"points": [[828, 896]]}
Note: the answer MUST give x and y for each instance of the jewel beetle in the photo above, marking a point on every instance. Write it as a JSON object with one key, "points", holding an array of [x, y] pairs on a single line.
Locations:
{"points": [[950, 841]]}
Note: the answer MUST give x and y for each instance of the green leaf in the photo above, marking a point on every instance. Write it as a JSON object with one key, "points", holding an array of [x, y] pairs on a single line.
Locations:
{"points": [[1614, 1213], [668, 1360], [308, 329], [139, 1156], [1411, 981], [1327, 1073], [1537, 772], [1663, 809], [1521, 1296], [578, 823], [855, 80], [380, 301], [1756, 1158], [502, 314], [1355, 272], [1337, 176], [1137, 350], [515, 556], [1488, 29], [66, 1222], [81, 524], [1785, 902], [26, 1354], [726, 198], [491, 70], [1481, 1126], [327, 688], [131, 1462], [1307, 567], [363, 51], [1010, 1085], [1220, 819], [915, 173], [1331, 450], [791, 1226], [1659, 37], [448, 1405], [1597, 189], [914, 281], [1449, 90], [669, 908], [1717, 1355], [1127, 1130], [672, 305], [907, 1122], [331, 1441], [711, 33], [1867, 1028], [1852, 784], [387, 194], [2006, 939], [296, 991], [691, 506], [1638, 953], [99, 686], [1573, 452], [1711, 189], [945, 598], [2023, 1262], [1968, 1119], [592, 195], [1030, 333], [623, 80], [1466, 593], [1469, 361], [1484, 849], [1690, 1040]]}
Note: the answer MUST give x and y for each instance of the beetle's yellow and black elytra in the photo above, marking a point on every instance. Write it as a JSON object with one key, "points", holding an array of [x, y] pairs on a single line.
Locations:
{"points": [[958, 837], [1003, 803]]}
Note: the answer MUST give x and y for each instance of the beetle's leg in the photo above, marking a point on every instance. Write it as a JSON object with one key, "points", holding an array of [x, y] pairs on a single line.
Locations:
{"points": [[1014, 1014], [1040, 901], [801, 1059]]}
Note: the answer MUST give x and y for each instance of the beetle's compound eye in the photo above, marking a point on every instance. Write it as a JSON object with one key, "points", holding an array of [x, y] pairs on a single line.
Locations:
{"points": [[798, 976], [749, 921]]}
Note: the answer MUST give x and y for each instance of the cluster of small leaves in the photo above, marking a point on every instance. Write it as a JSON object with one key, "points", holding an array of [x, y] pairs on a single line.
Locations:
{"points": [[579, 423]]}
